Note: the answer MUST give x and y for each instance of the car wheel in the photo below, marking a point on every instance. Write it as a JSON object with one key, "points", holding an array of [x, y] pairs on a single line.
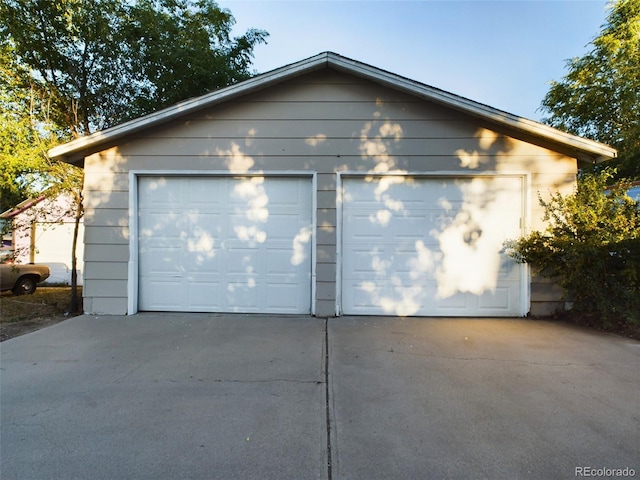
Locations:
{"points": [[25, 286]]}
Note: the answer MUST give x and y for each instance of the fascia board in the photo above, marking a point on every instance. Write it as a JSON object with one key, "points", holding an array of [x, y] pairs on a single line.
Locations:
{"points": [[21, 207]]}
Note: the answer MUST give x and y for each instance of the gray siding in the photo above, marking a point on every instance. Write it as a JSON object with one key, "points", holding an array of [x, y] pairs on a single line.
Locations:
{"points": [[327, 122]]}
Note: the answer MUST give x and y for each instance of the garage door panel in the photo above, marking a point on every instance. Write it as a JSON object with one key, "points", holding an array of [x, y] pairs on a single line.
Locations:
{"points": [[409, 226], [430, 246], [159, 260], [156, 191], [195, 222], [499, 299], [363, 295], [450, 305], [408, 257], [163, 294], [410, 239], [363, 262], [283, 297], [156, 217], [205, 294], [386, 299], [241, 296], [285, 226], [245, 230], [200, 194], [280, 195], [243, 261], [357, 224], [197, 266], [283, 261], [509, 271], [387, 226], [224, 241]]}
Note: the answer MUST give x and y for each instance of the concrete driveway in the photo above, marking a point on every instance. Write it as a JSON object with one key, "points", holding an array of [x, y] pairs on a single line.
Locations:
{"points": [[196, 396]]}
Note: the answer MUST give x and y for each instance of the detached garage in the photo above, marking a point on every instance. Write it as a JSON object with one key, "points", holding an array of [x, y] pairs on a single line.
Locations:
{"points": [[325, 187]]}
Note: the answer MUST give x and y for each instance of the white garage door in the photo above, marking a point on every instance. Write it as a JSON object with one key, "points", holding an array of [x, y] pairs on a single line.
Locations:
{"points": [[222, 244], [431, 246]]}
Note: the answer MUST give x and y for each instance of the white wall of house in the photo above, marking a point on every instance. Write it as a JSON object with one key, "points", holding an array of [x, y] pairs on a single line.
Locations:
{"points": [[44, 234]]}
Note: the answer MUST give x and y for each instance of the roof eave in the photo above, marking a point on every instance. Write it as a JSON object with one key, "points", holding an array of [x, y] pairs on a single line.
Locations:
{"points": [[593, 150], [21, 207], [586, 150], [76, 149]]}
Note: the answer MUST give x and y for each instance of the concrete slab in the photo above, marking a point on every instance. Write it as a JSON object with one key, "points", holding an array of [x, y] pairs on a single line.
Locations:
{"points": [[464, 398], [171, 396], [165, 396]]}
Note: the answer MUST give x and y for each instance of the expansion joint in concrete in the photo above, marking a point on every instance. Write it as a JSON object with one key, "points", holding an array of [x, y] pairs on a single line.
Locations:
{"points": [[327, 397]]}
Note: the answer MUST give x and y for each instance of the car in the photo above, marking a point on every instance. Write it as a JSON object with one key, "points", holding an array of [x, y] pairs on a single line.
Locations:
{"points": [[22, 279]]}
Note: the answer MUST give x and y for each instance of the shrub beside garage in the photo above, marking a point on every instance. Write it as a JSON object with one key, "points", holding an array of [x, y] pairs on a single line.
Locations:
{"points": [[591, 248]]}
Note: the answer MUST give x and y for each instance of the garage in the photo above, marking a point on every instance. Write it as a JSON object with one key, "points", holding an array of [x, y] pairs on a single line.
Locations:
{"points": [[327, 186], [224, 244], [431, 245]]}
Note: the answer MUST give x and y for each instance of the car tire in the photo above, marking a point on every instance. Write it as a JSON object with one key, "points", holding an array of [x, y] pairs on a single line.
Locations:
{"points": [[25, 286]]}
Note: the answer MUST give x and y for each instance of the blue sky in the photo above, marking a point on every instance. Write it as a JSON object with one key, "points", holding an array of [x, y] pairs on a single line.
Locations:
{"points": [[501, 53]]}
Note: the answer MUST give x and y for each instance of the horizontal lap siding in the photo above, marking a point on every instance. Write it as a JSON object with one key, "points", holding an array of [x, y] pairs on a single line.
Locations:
{"points": [[106, 192], [369, 149], [309, 131], [326, 122], [326, 220]]}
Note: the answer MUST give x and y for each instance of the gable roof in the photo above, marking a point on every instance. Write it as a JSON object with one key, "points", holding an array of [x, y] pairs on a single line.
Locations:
{"points": [[582, 148]]}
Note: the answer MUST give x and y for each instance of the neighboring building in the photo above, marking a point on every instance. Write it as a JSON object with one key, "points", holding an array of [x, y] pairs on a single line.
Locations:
{"points": [[327, 187], [42, 232]]}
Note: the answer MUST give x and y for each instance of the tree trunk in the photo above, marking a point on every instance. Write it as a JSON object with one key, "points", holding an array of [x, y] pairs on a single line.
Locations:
{"points": [[75, 304]]}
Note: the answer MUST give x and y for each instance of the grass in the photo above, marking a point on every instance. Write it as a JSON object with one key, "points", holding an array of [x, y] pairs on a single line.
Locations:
{"points": [[25, 313]]}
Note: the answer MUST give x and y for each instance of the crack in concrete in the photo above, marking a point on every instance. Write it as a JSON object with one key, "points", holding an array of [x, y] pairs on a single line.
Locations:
{"points": [[327, 398]]}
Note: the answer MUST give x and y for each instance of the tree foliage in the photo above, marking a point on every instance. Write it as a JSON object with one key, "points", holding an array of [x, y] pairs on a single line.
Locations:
{"points": [[591, 247], [202, 56], [599, 98], [71, 67], [106, 61], [25, 133]]}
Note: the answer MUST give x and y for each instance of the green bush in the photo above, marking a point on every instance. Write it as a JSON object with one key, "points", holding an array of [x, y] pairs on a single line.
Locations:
{"points": [[591, 247]]}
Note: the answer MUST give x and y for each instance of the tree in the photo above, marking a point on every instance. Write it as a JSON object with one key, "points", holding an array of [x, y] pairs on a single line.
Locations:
{"points": [[71, 48], [27, 132], [21, 145], [106, 61], [600, 96], [591, 247], [202, 57], [71, 67]]}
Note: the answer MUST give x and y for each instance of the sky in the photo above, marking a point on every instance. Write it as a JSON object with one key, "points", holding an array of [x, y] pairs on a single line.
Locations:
{"points": [[500, 53]]}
